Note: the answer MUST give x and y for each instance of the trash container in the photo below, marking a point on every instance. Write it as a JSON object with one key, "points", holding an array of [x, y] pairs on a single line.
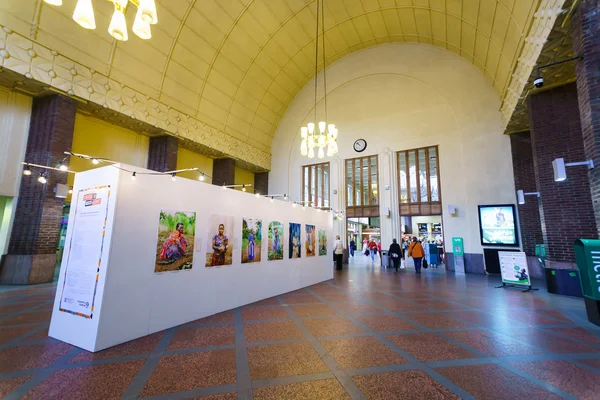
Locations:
{"points": [[587, 254], [385, 259]]}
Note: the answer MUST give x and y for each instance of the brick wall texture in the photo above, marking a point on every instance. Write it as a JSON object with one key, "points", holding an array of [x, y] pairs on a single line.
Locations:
{"points": [[38, 216], [566, 207], [586, 42], [524, 172], [223, 171], [162, 153]]}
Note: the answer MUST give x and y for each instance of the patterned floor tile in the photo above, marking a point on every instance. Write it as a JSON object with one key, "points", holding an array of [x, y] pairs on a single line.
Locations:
{"points": [[287, 359], [270, 331], [329, 389], [364, 352], [183, 372], [414, 385]]}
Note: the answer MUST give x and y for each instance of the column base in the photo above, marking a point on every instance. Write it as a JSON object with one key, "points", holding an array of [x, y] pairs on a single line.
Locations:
{"points": [[17, 269]]}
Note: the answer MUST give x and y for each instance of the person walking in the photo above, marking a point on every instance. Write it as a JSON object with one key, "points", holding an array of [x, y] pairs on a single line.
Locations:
{"points": [[379, 249], [338, 251], [352, 247], [395, 253], [416, 251], [405, 248], [372, 250]]}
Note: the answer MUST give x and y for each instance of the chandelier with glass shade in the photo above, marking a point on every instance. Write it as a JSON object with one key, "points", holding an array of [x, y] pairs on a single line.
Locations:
{"points": [[144, 17], [321, 135]]}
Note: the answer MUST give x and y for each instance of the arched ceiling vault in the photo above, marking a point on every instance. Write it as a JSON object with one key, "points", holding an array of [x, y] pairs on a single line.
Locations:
{"points": [[237, 64]]}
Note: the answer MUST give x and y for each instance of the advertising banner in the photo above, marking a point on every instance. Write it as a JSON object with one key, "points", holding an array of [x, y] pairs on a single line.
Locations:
{"points": [[513, 267], [497, 225], [85, 251]]}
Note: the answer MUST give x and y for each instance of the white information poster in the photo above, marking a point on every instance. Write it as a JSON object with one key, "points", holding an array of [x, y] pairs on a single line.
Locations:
{"points": [[85, 251], [513, 267]]}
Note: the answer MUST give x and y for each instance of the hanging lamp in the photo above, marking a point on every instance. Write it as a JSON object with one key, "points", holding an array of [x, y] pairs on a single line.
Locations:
{"points": [[326, 135]]}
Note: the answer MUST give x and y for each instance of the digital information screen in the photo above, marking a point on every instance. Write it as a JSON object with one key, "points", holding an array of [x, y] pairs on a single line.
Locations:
{"points": [[497, 225]]}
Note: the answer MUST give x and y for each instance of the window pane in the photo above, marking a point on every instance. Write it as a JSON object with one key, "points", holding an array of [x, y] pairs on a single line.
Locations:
{"points": [[433, 176], [349, 179], [326, 185], [413, 176], [319, 190], [306, 183], [403, 187], [374, 188], [423, 176], [365, 180], [357, 176], [313, 178]]}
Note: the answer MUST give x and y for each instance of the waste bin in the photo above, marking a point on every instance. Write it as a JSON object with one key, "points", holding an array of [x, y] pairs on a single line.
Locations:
{"points": [[587, 254], [385, 259]]}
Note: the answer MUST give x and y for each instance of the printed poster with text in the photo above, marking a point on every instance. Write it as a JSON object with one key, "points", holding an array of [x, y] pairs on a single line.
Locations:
{"points": [[85, 251], [513, 267]]}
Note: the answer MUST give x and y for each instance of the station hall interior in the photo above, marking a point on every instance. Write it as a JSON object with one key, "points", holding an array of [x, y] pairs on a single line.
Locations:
{"points": [[299, 199]]}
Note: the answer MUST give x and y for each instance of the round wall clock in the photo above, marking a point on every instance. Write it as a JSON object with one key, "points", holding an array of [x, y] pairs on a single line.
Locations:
{"points": [[360, 145]]}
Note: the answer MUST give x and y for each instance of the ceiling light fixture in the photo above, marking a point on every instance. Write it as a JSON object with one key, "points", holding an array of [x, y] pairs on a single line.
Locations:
{"points": [[201, 176], [42, 179], [133, 176], [173, 177], [327, 133], [95, 161], [144, 17], [27, 170]]}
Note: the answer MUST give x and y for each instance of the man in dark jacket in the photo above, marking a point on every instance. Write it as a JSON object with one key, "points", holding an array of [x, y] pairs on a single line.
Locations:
{"points": [[395, 253]]}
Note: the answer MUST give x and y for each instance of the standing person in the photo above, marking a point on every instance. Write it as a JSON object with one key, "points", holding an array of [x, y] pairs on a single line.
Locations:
{"points": [[352, 247], [220, 242], [372, 250], [365, 245], [250, 248], [338, 251], [405, 247], [395, 253], [379, 249], [415, 250]]}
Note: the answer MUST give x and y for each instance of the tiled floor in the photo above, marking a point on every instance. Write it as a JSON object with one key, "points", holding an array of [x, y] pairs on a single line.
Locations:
{"points": [[367, 334]]}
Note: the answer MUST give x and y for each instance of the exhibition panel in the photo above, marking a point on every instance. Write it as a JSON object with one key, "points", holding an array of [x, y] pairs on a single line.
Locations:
{"points": [[146, 252]]}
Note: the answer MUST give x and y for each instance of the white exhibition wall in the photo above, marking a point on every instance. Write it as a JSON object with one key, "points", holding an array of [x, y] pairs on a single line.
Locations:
{"points": [[132, 300], [404, 96]]}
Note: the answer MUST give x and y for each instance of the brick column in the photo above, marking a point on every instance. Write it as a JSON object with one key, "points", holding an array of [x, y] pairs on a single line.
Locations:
{"points": [[524, 173], [223, 171], [31, 256], [162, 153], [261, 182], [566, 207], [586, 42]]}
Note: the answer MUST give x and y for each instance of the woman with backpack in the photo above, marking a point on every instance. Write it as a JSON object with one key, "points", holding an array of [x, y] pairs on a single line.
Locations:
{"points": [[416, 251]]}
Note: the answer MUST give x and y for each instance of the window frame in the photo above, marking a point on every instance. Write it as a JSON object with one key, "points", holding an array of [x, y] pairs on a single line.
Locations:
{"points": [[316, 193]]}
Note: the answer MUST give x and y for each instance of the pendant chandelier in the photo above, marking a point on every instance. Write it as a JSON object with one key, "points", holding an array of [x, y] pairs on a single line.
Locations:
{"points": [[326, 135], [144, 17]]}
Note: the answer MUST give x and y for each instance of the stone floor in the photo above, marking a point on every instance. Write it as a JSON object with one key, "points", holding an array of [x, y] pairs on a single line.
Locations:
{"points": [[368, 333]]}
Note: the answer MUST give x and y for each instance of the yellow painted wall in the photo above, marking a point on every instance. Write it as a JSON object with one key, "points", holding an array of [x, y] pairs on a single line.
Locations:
{"points": [[243, 177], [101, 139], [190, 159]]}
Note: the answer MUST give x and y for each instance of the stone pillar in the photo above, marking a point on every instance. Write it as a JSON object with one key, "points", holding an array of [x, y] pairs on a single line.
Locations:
{"points": [[566, 209], [586, 42], [524, 173], [31, 256], [223, 171], [261, 182], [162, 153]]}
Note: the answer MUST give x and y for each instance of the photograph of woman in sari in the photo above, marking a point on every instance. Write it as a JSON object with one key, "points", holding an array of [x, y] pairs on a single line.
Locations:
{"points": [[219, 245], [175, 245], [251, 240]]}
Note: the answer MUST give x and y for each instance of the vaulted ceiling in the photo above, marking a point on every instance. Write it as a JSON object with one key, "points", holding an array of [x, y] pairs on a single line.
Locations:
{"points": [[237, 64]]}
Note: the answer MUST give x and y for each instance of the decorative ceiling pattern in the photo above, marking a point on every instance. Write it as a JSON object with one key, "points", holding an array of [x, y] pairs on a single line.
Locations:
{"points": [[557, 47], [235, 65]]}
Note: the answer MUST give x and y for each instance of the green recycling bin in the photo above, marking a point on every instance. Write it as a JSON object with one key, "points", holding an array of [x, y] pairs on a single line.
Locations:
{"points": [[587, 253]]}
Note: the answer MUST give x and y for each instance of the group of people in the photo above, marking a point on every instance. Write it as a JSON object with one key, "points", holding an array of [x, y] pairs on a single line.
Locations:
{"points": [[412, 248]]}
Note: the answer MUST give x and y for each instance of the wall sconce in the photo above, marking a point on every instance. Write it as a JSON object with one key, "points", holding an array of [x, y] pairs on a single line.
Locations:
{"points": [[521, 195], [452, 210], [560, 171]]}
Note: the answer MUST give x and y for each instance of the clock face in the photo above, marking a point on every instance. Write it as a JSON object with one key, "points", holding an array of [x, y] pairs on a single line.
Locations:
{"points": [[360, 145]]}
